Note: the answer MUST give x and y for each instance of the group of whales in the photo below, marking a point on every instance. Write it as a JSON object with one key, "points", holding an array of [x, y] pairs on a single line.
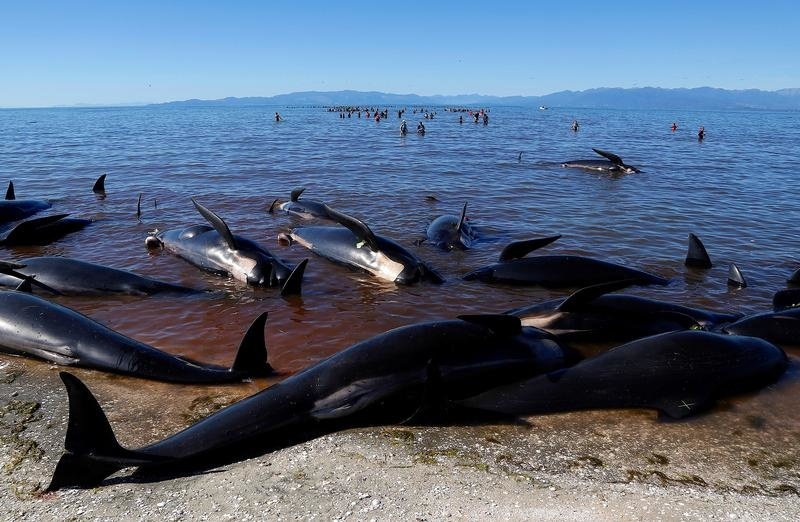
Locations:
{"points": [[676, 359]]}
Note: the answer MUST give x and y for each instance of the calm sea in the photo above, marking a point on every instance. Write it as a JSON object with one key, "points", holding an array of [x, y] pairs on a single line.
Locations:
{"points": [[737, 190]]}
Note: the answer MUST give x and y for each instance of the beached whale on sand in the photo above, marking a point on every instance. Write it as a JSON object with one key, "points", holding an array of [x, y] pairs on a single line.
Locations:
{"points": [[393, 377], [34, 327], [555, 271], [450, 232], [594, 314], [614, 164], [677, 373], [302, 208], [217, 250], [69, 276], [354, 245]]}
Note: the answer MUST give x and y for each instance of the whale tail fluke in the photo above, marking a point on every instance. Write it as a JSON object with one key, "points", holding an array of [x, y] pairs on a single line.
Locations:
{"points": [[294, 282], [93, 452], [251, 358], [519, 249]]}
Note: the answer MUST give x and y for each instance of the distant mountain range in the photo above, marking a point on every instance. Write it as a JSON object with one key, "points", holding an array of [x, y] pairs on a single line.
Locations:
{"points": [[605, 98]]}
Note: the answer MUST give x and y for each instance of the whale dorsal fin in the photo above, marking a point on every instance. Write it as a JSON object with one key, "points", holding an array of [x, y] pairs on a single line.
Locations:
{"points": [[139, 206], [294, 282], [271, 209], [356, 226], [463, 218], [251, 358], [519, 249], [10, 191], [697, 256], [500, 324], [218, 224], [610, 156], [735, 277], [578, 300], [100, 185], [295, 195]]}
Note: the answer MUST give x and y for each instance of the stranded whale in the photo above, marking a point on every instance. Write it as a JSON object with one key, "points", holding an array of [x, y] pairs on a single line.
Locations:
{"points": [[613, 165], [392, 377], [219, 251]]}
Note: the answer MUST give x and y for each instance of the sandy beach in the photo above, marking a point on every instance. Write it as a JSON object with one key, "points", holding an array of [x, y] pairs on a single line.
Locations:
{"points": [[613, 465]]}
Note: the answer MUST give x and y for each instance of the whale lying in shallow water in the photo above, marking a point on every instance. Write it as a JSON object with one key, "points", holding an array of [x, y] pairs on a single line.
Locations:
{"points": [[677, 373], [219, 251], [392, 377], [32, 326], [614, 164], [354, 245], [555, 271]]}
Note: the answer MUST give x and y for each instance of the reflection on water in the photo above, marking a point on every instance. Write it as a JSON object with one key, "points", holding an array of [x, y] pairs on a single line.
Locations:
{"points": [[736, 191]]}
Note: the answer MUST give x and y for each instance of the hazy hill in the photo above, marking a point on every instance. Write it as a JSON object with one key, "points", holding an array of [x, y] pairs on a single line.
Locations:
{"points": [[611, 98]]}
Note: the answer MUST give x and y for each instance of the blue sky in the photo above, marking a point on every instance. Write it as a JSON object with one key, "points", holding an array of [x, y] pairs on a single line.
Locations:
{"points": [[107, 52]]}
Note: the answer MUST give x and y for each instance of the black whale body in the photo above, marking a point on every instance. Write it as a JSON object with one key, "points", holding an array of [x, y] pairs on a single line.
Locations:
{"points": [[555, 271], [676, 373], [781, 327], [391, 377], [302, 208], [593, 314], [613, 164], [32, 326], [75, 277], [451, 232]]}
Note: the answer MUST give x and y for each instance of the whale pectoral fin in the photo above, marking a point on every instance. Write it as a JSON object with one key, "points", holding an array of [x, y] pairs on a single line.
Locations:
{"points": [[463, 218], [100, 185], [613, 158], [684, 405], [519, 249], [93, 452], [697, 256], [578, 300], [10, 195], [348, 400], [500, 324], [219, 225], [356, 226], [295, 194], [294, 282], [251, 358]]}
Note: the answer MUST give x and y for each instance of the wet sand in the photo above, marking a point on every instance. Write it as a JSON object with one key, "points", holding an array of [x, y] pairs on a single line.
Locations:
{"points": [[611, 465]]}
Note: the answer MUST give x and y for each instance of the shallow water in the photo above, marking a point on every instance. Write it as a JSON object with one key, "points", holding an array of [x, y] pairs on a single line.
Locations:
{"points": [[735, 190]]}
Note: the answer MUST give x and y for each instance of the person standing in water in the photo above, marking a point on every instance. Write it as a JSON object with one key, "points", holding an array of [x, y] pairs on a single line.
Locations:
{"points": [[701, 134], [278, 117], [674, 126], [575, 126], [403, 128]]}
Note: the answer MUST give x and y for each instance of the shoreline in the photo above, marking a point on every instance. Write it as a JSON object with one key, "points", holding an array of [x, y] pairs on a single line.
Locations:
{"points": [[608, 465]]}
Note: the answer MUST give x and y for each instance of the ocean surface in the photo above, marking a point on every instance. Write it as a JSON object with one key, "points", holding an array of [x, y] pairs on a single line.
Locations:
{"points": [[737, 190]]}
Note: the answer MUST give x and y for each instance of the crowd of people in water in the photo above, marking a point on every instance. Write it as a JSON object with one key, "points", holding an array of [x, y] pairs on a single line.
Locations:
{"points": [[476, 115]]}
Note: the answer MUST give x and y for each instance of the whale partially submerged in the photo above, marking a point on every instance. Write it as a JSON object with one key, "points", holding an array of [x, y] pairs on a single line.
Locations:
{"points": [[217, 250], [354, 245], [595, 314], [555, 271], [390, 378], [302, 208], [677, 373], [613, 164], [69, 276], [34, 327], [451, 232]]}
